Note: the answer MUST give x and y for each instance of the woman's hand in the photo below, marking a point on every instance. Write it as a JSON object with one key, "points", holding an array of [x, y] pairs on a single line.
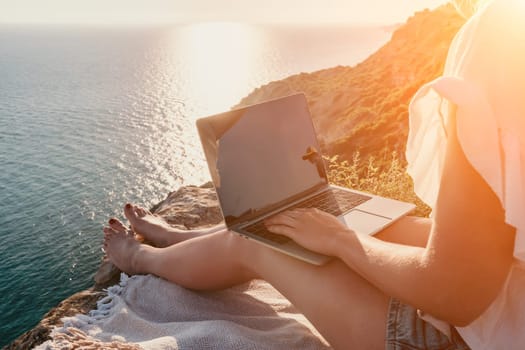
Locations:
{"points": [[311, 228]]}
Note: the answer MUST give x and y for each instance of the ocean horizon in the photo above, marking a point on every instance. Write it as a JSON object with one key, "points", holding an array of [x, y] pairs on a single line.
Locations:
{"points": [[94, 117]]}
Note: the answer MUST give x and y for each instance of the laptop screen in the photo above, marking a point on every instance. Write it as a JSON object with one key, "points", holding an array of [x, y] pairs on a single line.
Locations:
{"points": [[260, 156]]}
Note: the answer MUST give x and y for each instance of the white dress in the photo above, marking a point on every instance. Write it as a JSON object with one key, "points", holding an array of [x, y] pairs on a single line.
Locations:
{"points": [[485, 77]]}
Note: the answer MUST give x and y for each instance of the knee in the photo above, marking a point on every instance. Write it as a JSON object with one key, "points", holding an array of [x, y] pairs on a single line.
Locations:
{"points": [[243, 251]]}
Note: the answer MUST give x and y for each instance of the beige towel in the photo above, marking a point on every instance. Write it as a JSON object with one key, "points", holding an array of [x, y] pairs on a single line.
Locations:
{"points": [[146, 312]]}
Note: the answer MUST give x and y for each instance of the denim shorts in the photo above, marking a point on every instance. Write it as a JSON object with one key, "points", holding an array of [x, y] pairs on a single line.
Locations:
{"points": [[407, 331]]}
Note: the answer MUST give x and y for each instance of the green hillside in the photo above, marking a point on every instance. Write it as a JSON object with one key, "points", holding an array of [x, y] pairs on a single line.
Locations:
{"points": [[361, 112]]}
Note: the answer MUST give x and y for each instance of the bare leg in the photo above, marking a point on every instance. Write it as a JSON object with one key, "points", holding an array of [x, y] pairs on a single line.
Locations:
{"points": [[215, 268], [123, 250], [154, 228], [347, 310]]}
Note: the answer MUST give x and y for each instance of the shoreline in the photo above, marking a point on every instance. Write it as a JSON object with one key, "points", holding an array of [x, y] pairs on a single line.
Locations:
{"points": [[335, 95], [186, 208]]}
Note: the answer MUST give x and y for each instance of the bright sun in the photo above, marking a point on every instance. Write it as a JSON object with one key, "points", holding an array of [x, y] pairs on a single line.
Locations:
{"points": [[223, 56]]}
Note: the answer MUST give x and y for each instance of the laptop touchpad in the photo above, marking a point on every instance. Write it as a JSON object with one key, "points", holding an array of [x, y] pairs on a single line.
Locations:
{"points": [[364, 223]]}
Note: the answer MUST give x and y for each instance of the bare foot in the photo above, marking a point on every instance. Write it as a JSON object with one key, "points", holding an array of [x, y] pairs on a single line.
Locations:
{"points": [[151, 227], [117, 225], [123, 250], [156, 230]]}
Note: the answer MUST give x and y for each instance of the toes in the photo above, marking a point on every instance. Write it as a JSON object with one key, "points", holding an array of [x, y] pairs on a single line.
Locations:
{"points": [[141, 212], [129, 212], [134, 212], [117, 225], [108, 232]]}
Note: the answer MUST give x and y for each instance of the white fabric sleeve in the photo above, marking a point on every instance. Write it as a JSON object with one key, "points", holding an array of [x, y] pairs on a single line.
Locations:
{"points": [[485, 78]]}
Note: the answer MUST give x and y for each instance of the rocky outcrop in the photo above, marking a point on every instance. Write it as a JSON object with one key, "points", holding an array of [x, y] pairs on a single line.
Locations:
{"points": [[365, 108], [81, 302], [189, 207], [355, 108]]}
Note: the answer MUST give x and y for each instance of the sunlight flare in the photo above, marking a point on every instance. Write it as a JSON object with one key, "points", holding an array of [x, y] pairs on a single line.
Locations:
{"points": [[219, 77]]}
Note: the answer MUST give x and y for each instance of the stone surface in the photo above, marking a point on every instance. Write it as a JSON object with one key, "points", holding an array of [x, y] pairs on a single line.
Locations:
{"points": [[81, 302], [188, 207], [342, 100], [365, 107]]}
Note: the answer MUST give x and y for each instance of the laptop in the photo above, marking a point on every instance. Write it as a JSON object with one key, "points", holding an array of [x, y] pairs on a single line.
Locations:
{"points": [[265, 158]]}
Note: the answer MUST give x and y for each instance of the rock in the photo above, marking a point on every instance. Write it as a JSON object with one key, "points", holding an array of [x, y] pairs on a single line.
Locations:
{"points": [[81, 302], [107, 274], [365, 107], [188, 207], [351, 107]]}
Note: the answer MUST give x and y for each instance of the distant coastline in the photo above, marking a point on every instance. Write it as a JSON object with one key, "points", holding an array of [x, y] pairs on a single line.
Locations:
{"points": [[361, 107], [92, 119], [365, 107]]}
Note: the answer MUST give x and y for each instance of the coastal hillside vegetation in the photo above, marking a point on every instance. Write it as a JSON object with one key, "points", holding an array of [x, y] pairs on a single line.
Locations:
{"points": [[391, 181], [361, 112]]}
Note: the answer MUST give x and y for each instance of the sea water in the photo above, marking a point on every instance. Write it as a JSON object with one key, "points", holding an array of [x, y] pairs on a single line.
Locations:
{"points": [[94, 117]]}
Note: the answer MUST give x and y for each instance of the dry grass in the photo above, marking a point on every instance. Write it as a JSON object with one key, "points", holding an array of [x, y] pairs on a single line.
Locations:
{"points": [[391, 181]]}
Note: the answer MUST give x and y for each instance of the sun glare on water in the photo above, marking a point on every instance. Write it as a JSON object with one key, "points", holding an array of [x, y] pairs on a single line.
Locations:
{"points": [[219, 58], [193, 71]]}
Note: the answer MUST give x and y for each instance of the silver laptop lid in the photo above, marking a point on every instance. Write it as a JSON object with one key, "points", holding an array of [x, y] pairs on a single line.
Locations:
{"points": [[262, 156]]}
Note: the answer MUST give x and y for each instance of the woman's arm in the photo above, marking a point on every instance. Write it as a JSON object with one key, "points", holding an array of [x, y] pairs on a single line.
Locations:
{"points": [[461, 269]]}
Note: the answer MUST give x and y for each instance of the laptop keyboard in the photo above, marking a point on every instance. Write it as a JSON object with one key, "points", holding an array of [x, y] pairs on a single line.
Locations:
{"points": [[333, 201]]}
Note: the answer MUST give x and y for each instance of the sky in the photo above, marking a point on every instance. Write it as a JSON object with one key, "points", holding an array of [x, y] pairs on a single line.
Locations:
{"points": [[184, 11]]}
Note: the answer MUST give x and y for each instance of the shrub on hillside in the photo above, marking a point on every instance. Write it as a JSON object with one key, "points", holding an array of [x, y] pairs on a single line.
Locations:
{"points": [[391, 181]]}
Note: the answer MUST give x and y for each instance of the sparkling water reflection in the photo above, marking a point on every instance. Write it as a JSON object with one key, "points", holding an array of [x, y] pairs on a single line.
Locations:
{"points": [[92, 118]]}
